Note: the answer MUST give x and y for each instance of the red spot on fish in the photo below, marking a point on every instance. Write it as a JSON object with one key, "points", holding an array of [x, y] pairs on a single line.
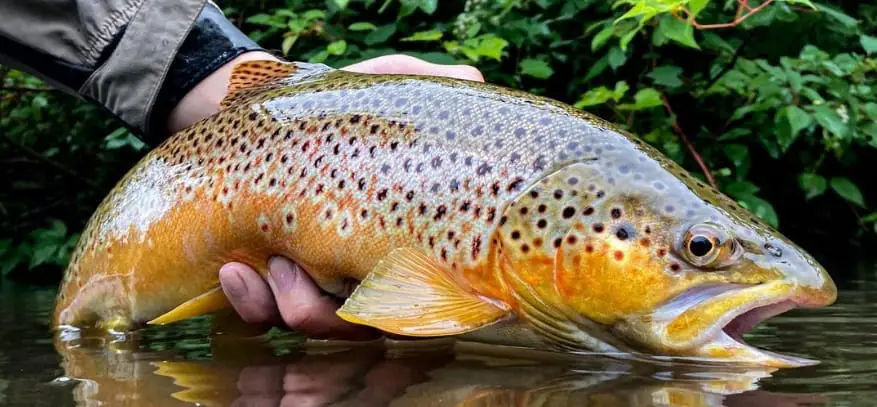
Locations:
{"points": [[476, 246]]}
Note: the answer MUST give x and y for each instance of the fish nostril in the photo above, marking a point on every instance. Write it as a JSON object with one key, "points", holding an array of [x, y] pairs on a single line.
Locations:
{"points": [[773, 250]]}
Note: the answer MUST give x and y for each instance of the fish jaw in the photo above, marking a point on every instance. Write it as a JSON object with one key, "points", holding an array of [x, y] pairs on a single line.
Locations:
{"points": [[707, 323]]}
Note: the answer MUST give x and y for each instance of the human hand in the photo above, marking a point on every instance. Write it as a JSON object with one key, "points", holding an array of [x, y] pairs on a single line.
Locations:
{"points": [[290, 297]]}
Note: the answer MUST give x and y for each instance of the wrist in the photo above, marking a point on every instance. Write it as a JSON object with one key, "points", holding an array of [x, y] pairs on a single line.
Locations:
{"points": [[203, 99], [203, 60]]}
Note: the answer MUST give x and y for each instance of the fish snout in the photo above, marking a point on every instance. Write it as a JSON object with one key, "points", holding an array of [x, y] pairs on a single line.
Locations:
{"points": [[821, 292], [813, 286]]}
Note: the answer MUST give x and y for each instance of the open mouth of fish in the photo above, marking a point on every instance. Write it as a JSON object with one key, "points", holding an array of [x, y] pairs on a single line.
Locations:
{"points": [[707, 324]]}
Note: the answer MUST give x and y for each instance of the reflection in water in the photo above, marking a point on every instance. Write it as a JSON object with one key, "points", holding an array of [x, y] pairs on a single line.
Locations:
{"points": [[246, 372], [179, 366]]}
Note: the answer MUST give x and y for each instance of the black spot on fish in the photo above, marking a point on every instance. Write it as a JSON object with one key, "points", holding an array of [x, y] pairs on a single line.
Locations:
{"points": [[568, 212]]}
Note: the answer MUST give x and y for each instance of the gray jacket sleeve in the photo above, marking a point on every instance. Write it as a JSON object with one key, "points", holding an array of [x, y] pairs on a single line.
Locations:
{"points": [[136, 58]]}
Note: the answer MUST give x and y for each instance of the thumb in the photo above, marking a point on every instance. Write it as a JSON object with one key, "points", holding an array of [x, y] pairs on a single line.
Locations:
{"points": [[404, 64]]}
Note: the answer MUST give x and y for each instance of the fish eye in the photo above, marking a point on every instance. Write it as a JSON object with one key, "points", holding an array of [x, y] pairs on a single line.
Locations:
{"points": [[707, 245], [700, 246]]}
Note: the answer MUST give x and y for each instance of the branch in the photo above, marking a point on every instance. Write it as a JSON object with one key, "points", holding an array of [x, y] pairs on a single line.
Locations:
{"points": [[28, 89], [744, 11], [681, 134], [34, 154], [727, 68]]}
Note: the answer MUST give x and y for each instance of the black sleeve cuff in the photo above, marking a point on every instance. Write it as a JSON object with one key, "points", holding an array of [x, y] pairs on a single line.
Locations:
{"points": [[212, 43]]}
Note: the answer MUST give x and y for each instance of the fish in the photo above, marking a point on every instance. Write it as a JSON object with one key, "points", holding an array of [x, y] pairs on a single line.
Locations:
{"points": [[456, 209]]}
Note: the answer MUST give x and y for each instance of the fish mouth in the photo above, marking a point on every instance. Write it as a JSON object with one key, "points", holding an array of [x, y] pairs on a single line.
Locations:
{"points": [[707, 324]]}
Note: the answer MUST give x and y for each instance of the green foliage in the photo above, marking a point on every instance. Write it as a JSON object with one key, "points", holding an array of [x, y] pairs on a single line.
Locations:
{"points": [[780, 105], [58, 158]]}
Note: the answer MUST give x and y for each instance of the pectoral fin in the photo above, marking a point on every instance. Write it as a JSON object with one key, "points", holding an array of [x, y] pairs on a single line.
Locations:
{"points": [[211, 301], [410, 294]]}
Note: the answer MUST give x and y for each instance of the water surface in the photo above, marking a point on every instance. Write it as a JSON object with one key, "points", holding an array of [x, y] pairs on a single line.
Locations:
{"points": [[183, 365]]}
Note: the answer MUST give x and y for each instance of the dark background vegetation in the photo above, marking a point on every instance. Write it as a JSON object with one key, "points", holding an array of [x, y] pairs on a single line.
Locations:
{"points": [[781, 107]]}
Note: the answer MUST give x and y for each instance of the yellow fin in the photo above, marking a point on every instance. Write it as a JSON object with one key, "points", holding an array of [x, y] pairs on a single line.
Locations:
{"points": [[410, 294], [257, 75], [211, 301]]}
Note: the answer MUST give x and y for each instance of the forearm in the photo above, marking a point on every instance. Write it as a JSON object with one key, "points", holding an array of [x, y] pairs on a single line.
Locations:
{"points": [[148, 62]]}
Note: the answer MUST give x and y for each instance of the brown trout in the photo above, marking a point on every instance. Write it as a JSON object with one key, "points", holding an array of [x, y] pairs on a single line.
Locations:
{"points": [[460, 208]]}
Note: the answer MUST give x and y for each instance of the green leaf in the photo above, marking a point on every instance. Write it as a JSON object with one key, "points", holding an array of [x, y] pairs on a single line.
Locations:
{"points": [[42, 253], [431, 35], [871, 110], [667, 75], [644, 99], [428, 6], [313, 15], [265, 19], [678, 31], [838, 15], [741, 189], [813, 185], [342, 4], [616, 57], [807, 3], [596, 69], [761, 208], [600, 39], [735, 133], [319, 57], [603, 94], [492, 46], [287, 43], [536, 68], [594, 96], [381, 35], [848, 190], [362, 26], [871, 217], [337, 47], [791, 120], [869, 43], [830, 120], [696, 6], [739, 156]]}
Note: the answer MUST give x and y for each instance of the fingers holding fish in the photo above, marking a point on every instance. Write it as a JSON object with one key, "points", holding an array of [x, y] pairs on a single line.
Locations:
{"points": [[249, 294], [404, 64], [305, 309]]}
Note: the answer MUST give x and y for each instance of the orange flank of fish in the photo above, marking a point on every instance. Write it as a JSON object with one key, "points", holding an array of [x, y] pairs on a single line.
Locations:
{"points": [[458, 208]]}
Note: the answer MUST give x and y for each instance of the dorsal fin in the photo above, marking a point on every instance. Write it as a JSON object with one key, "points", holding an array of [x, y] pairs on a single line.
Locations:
{"points": [[258, 74]]}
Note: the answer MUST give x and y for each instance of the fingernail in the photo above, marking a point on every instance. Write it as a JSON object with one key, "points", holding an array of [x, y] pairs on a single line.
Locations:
{"points": [[281, 274], [232, 283]]}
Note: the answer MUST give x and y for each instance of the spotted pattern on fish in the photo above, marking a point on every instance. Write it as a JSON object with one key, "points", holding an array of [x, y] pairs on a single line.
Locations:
{"points": [[524, 200]]}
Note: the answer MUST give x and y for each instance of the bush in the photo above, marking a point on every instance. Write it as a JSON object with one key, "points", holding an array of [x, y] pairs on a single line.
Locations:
{"points": [[776, 104]]}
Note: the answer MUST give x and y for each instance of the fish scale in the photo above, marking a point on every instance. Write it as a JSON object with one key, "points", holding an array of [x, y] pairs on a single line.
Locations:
{"points": [[457, 205]]}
